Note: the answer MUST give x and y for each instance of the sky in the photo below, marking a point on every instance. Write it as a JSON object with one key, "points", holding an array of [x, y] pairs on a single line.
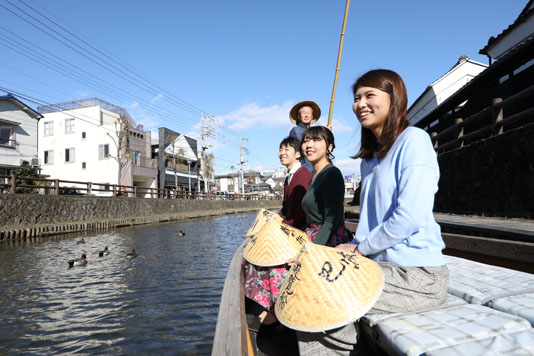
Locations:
{"points": [[243, 63]]}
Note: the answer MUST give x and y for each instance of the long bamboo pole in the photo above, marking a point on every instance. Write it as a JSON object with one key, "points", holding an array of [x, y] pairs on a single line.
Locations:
{"points": [[338, 61]]}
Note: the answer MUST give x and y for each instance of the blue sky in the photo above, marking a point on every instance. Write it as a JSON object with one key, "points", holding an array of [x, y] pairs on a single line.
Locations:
{"points": [[244, 62]]}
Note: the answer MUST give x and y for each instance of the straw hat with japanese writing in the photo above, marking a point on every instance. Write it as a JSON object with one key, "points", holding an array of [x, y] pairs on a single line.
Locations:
{"points": [[274, 244], [327, 288], [262, 217]]}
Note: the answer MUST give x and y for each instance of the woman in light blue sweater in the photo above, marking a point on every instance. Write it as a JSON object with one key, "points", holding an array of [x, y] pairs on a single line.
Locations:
{"points": [[396, 228]]}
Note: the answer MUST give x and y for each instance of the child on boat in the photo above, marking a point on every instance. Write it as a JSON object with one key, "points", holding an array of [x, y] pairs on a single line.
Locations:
{"points": [[262, 284], [396, 228]]}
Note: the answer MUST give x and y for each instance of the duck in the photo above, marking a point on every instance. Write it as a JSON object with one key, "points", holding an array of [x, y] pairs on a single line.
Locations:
{"points": [[82, 261], [104, 252], [82, 241], [132, 254], [181, 233]]}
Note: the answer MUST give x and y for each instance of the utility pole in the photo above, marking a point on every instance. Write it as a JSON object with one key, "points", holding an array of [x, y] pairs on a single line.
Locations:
{"points": [[205, 132], [242, 161]]}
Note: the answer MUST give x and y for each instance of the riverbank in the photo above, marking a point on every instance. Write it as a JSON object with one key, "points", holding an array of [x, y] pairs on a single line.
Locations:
{"points": [[27, 216]]}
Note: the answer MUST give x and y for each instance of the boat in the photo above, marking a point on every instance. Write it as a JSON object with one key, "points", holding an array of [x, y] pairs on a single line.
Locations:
{"points": [[489, 310]]}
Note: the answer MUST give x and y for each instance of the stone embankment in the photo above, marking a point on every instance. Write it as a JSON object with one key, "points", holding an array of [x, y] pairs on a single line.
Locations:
{"points": [[26, 216]]}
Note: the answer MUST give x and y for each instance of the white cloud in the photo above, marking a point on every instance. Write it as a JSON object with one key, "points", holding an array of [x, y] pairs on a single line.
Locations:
{"points": [[156, 98], [253, 115], [339, 126], [348, 166], [83, 93]]}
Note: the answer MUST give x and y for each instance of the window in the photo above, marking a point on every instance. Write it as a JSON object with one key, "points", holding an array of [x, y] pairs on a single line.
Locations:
{"points": [[103, 151], [49, 128], [69, 155], [7, 136], [137, 158], [69, 126], [49, 157], [84, 136], [84, 165], [101, 118]]}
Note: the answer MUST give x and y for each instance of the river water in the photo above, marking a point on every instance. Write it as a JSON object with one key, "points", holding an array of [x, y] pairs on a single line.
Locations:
{"points": [[164, 302]]}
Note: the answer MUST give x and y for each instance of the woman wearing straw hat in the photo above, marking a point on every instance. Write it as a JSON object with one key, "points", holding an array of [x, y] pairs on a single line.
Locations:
{"points": [[396, 228], [302, 115]]}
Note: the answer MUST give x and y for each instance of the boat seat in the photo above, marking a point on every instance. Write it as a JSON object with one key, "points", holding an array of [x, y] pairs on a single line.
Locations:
{"points": [[499, 288], [479, 283], [419, 333], [520, 343], [521, 305]]}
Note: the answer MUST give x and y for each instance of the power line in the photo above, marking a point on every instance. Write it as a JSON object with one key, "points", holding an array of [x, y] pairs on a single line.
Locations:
{"points": [[124, 76], [115, 61]]}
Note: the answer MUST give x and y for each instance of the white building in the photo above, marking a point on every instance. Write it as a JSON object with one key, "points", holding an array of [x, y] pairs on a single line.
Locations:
{"points": [[178, 161], [437, 92], [18, 134], [512, 36], [78, 141]]}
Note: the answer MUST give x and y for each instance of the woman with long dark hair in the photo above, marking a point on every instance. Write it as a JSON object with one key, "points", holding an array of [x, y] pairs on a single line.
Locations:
{"points": [[396, 227]]}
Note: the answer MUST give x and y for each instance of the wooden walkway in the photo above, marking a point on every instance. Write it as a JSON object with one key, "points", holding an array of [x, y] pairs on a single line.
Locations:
{"points": [[497, 241]]}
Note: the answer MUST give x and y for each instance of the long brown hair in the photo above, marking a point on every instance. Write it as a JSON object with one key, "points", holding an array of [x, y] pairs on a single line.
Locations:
{"points": [[390, 82]]}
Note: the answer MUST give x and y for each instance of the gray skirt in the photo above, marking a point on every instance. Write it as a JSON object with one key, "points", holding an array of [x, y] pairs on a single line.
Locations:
{"points": [[406, 289]]}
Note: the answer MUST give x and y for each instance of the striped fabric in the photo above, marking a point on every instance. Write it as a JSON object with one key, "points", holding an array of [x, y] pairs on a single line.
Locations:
{"points": [[415, 334], [373, 319], [479, 283], [515, 344], [521, 305]]}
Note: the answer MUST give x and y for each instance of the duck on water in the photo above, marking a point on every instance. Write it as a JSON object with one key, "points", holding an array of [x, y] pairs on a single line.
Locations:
{"points": [[82, 261]]}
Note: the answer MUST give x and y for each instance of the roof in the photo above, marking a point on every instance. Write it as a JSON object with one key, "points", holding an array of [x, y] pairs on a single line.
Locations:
{"points": [[28, 110], [523, 16], [511, 59], [86, 103], [463, 59]]}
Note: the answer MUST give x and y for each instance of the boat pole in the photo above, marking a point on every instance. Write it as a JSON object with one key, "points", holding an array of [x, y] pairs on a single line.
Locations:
{"points": [[338, 61]]}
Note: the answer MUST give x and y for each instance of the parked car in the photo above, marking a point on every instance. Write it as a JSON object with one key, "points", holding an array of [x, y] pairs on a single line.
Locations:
{"points": [[70, 191]]}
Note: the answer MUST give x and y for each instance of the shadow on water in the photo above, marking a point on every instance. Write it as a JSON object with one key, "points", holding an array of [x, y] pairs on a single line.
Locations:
{"points": [[163, 302]]}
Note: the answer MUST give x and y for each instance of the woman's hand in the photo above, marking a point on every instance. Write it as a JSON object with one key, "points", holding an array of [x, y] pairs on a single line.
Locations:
{"points": [[352, 248]]}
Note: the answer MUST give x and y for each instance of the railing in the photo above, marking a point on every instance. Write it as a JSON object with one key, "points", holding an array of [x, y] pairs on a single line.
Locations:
{"points": [[484, 124], [8, 184]]}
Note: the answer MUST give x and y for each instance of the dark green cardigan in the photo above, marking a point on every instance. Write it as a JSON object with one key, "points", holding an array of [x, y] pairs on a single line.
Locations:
{"points": [[323, 203]]}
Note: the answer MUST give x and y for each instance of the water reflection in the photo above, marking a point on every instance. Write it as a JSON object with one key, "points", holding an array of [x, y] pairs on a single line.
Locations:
{"points": [[163, 302]]}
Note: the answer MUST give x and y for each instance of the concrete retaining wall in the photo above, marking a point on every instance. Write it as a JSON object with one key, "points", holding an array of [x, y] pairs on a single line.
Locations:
{"points": [[26, 215]]}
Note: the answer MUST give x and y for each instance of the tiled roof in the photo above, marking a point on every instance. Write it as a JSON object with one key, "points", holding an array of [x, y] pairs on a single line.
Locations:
{"points": [[523, 16]]}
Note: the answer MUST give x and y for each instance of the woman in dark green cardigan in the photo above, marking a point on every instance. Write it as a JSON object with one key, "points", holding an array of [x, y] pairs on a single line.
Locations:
{"points": [[323, 203]]}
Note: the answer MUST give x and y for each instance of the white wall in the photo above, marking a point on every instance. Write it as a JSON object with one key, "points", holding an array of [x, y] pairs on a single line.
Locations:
{"points": [[86, 150], [443, 88], [25, 135]]}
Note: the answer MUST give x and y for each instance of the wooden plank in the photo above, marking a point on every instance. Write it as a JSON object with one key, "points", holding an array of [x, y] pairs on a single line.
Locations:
{"points": [[231, 330], [513, 250]]}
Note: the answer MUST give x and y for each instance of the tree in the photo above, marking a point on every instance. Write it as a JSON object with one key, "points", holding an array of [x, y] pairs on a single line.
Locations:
{"points": [[122, 144], [208, 170]]}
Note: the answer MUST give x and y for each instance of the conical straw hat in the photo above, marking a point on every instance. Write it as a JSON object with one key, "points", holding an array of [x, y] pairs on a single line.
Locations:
{"points": [[274, 244], [261, 218], [327, 288]]}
